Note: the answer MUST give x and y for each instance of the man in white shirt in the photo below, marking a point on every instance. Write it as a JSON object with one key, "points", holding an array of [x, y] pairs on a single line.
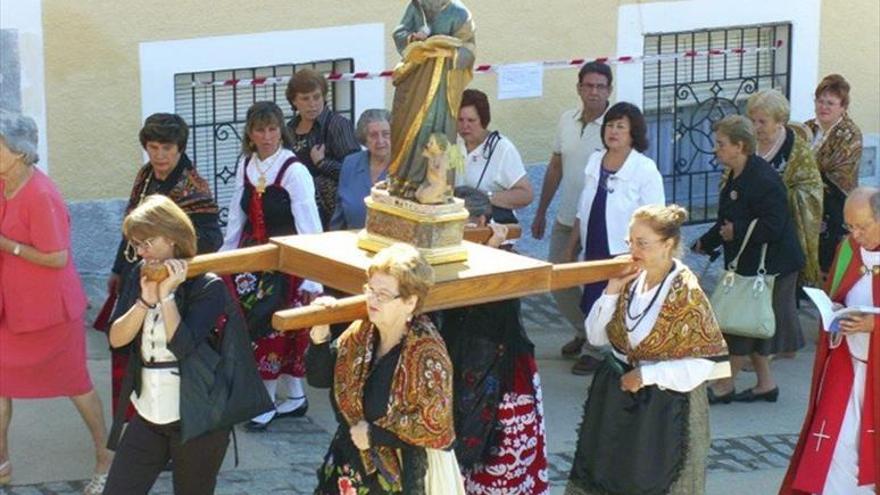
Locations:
{"points": [[577, 137]]}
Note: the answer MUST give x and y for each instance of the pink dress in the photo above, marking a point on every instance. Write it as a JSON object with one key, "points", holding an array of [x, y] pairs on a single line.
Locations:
{"points": [[42, 335]]}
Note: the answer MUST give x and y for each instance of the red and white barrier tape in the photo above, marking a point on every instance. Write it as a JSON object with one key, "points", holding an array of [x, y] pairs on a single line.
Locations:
{"points": [[486, 68]]}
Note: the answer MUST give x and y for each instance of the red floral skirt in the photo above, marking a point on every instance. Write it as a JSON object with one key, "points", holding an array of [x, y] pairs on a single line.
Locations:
{"points": [[517, 464]]}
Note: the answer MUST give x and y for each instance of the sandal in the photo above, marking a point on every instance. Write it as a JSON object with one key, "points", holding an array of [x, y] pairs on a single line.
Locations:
{"points": [[5, 473], [95, 485]]}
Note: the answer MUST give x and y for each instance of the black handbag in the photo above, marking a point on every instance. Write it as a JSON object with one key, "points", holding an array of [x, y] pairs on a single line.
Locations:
{"points": [[226, 384]]}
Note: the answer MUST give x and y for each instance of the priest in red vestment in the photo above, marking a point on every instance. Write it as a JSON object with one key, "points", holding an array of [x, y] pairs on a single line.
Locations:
{"points": [[839, 449]]}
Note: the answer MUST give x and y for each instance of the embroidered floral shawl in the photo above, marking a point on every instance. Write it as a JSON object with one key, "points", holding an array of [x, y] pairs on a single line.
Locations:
{"points": [[187, 188], [685, 327], [840, 153], [420, 403]]}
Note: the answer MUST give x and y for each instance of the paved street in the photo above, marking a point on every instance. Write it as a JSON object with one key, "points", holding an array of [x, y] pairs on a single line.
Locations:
{"points": [[751, 442], [750, 448]]}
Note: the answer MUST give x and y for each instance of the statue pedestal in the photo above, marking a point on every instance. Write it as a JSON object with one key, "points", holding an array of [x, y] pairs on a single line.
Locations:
{"points": [[435, 230]]}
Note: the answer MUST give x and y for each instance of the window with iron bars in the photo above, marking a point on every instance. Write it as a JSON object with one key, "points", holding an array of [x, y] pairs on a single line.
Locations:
{"points": [[216, 114], [683, 98]]}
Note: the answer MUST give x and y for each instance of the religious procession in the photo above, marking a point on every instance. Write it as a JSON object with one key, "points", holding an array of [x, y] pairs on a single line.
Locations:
{"points": [[306, 290]]}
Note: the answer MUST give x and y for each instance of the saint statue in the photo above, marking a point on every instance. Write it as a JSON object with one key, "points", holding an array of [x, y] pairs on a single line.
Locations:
{"points": [[436, 42]]}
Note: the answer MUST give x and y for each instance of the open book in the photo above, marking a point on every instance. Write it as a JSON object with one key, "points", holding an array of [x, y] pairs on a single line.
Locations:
{"points": [[831, 317]]}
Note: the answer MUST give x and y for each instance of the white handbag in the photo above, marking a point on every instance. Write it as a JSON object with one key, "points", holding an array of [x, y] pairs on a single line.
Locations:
{"points": [[744, 305]]}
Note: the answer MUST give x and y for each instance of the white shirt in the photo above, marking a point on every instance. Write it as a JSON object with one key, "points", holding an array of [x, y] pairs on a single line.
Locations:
{"points": [[862, 294], [505, 168], [159, 402], [298, 183], [681, 375], [637, 183], [575, 142]]}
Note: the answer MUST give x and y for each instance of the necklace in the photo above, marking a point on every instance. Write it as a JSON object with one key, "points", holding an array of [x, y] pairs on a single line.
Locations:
{"points": [[632, 293], [777, 145], [261, 180]]}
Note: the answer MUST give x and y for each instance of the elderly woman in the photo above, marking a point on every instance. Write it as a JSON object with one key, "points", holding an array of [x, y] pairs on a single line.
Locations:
{"points": [[171, 173], [754, 192], [787, 150], [646, 421], [361, 170], [391, 382], [321, 137], [837, 143], [274, 195], [42, 303], [169, 324], [617, 180], [496, 387], [492, 163]]}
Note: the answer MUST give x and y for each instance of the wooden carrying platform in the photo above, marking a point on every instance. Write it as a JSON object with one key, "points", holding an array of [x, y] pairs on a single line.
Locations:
{"points": [[333, 259]]}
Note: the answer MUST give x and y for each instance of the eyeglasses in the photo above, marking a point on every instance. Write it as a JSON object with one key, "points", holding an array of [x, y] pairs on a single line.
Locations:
{"points": [[592, 87], [378, 295], [827, 102], [145, 245], [640, 243]]}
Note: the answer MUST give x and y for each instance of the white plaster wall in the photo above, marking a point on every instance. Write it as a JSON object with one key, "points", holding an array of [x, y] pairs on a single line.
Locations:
{"points": [[26, 16]]}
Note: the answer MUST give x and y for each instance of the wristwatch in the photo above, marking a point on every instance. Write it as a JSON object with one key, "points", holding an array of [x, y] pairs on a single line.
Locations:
{"points": [[16, 251]]}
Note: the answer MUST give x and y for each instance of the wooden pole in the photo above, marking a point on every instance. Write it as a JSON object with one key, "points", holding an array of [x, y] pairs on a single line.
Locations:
{"points": [[352, 308], [251, 259]]}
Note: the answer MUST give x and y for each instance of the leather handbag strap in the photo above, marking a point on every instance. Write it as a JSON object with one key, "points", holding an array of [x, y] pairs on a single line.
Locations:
{"points": [[742, 247]]}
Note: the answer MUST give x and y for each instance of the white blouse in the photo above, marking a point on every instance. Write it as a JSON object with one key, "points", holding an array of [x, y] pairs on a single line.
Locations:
{"points": [[681, 375], [298, 183], [637, 183], [159, 401], [505, 168]]}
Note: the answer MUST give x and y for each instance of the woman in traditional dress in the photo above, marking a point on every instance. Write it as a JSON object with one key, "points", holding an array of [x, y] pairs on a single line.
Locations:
{"points": [[617, 180], [321, 138], [168, 323], [492, 162], [42, 302], [274, 196], [786, 148], [753, 193], [646, 420], [361, 170], [391, 382], [837, 143], [171, 173], [496, 387]]}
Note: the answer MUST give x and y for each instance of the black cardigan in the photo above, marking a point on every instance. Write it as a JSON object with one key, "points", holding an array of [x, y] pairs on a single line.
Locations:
{"points": [[759, 193]]}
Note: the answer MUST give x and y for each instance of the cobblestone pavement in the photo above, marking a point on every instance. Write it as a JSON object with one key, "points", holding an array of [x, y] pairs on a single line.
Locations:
{"points": [[302, 443]]}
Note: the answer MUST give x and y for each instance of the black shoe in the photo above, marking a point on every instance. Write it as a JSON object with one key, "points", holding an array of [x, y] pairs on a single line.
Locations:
{"points": [[296, 413], [750, 396], [720, 399], [257, 426]]}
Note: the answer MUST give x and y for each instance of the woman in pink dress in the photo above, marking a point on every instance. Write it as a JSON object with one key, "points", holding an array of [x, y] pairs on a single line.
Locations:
{"points": [[42, 303]]}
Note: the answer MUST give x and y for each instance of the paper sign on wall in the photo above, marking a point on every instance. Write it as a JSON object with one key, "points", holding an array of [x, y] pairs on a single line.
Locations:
{"points": [[520, 81]]}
